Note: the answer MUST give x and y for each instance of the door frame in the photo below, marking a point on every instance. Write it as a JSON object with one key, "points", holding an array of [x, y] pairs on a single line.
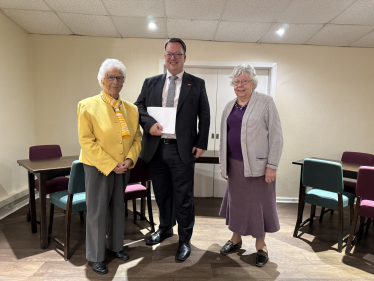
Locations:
{"points": [[271, 66]]}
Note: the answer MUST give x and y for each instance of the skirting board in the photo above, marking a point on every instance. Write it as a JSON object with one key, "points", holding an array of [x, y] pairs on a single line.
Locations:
{"points": [[22, 199]]}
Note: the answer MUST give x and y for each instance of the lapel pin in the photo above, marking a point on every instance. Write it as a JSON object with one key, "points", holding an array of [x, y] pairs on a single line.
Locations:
{"points": [[189, 84]]}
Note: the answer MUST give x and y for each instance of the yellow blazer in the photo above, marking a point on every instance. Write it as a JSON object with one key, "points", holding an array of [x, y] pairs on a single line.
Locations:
{"points": [[100, 137]]}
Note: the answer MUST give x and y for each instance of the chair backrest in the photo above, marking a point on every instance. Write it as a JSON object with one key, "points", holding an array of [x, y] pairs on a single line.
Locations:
{"points": [[323, 174], [364, 159], [140, 172], [39, 152], [77, 178], [365, 183]]}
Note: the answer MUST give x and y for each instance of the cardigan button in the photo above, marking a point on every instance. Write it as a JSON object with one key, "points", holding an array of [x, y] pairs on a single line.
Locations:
{"points": [[121, 152], [120, 142]]}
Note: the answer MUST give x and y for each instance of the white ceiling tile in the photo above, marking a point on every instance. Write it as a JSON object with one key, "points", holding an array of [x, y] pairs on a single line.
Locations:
{"points": [[191, 29], [316, 11], [135, 8], [361, 12], [366, 41], [294, 33], [90, 7], [91, 25], [194, 9], [24, 4], [43, 22], [339, 35], [253, 10], [138, 27], [241, 31]]}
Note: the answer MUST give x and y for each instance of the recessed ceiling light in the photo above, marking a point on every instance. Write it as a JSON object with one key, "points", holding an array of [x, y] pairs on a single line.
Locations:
{"points": [[152, 26], [281, 31]]}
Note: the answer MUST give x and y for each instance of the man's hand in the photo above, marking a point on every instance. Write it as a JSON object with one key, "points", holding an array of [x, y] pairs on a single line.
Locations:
{"points": [[122, 167], [155, 130], [270, 175], [199, 152]]}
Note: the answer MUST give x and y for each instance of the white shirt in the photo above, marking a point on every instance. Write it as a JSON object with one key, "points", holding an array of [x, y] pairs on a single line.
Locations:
{"points": [[178, 85]]}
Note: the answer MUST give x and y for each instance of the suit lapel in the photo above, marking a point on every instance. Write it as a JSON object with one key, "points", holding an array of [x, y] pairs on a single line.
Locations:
{"points": [[185, 89], [158, 87]]}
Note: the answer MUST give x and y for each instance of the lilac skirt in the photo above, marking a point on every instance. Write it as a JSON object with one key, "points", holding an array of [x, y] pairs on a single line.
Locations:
{"points": [[249, 205]]}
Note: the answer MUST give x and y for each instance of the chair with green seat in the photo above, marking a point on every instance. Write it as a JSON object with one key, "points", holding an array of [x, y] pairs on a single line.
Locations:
{"points": [[326, 180], [72, 200]]}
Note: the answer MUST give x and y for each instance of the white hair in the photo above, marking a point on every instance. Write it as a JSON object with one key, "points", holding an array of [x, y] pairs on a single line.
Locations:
{"points": [[244, 69], [108, 64]]}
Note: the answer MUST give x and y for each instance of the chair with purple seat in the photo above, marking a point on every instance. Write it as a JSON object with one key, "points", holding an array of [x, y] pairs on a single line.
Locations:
{"points": [[136, 190], [41, 152], [364, 159], [364, 204]]}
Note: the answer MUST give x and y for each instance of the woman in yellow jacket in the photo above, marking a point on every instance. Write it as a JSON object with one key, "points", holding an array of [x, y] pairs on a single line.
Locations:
{"points": [[110, 140]]}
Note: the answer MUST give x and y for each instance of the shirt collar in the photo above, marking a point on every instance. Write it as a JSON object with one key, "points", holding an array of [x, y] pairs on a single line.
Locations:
{"points": [[179, 75]]}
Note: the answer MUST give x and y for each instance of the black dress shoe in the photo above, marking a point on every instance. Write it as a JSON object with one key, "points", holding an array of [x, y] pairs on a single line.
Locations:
{"points": [[99, 267], [121, 255], [229, 247], [261, 258], [160, 235], [184, 250]]}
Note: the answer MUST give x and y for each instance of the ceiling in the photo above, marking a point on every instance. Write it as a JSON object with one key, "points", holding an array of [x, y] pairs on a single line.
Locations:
{"points": [[346, 23]]}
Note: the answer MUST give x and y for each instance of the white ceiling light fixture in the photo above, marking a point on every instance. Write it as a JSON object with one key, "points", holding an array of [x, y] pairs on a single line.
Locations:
{"points": [[281, 31], [152, 26]]}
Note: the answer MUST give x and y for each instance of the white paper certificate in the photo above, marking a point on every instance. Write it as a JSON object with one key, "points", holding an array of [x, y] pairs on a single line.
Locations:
{"points": [[165, 116]]}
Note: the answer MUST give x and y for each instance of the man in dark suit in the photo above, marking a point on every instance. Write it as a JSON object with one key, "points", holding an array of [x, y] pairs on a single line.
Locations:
{"points": [[171, 157]]}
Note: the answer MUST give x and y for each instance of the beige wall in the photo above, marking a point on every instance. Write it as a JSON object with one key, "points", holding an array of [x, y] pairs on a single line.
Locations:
{"points": [[16, 107], [324, 94]]}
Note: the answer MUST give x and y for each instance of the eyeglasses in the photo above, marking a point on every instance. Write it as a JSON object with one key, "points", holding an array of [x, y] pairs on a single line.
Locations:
{"points": [[243, 82], [177, 56], [120, 79]]}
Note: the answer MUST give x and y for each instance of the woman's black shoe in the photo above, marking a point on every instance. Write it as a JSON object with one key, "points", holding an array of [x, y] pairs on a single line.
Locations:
{"points": [[261, 258], [229, 247]]}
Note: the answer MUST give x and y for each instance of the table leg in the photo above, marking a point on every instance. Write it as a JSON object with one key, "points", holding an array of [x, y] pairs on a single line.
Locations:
{"points": [[32, 202], [301, 204], [43, 212]]}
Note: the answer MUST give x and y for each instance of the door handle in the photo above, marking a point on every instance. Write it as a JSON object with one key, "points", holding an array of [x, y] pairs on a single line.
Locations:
{"points": [[212, 136], [217, 136]]}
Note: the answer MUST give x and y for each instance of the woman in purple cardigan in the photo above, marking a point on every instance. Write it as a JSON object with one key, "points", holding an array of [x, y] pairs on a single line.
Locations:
{"points": [[250, 150]]}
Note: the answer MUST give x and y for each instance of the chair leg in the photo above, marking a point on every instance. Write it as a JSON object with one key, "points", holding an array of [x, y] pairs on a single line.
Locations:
{"points": [[361, 229], [142, 208], [126, 211], [81, 216], [134, 208], [341, 221], [322, 213], [368, 223], [51, 212], [150, 212], [69, 207], [351, 214], [332, 212], [300, 210], [353, 227], [312, 215], [32, 207]]}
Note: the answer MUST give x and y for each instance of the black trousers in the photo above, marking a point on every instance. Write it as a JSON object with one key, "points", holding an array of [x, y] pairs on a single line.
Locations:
{"points": [[173, 185]]}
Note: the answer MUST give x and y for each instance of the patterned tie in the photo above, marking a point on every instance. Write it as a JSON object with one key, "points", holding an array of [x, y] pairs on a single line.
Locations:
{"points": [[171, 92]]}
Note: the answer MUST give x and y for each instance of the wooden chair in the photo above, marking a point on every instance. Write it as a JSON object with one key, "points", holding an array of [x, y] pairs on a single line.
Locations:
{"points": [[326, 180], [135, 190], [41, 152], [364, 204], [71, 200]]}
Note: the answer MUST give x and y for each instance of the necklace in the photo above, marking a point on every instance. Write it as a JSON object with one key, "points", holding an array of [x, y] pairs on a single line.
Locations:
{"points": [[241, 107]]}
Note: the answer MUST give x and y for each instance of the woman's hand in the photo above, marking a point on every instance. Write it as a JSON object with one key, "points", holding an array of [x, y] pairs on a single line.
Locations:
{"points": [[222, 175], [122, 167], [270, 175]]}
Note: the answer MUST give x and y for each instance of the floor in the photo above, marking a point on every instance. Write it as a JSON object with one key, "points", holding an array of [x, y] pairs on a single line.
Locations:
{"points": [[311, 256]]}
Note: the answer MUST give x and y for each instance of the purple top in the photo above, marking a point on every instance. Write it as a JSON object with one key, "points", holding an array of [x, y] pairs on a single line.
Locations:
{"points": [[234, 125]]}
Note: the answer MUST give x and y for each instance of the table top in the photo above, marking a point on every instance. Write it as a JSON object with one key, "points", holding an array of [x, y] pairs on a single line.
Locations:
{"points": [[38, 166], [345, 165]]}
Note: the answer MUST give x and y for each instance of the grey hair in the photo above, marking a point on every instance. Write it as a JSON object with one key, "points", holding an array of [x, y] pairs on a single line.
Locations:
{"points": [[244, 69], [106, 65]]}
